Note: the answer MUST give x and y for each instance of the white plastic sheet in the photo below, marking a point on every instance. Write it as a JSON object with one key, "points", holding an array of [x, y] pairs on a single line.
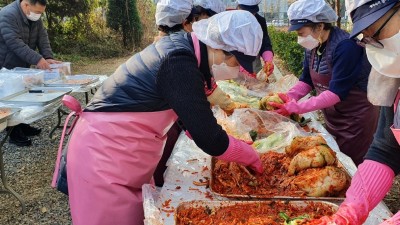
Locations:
{"points": [[188, 164]]}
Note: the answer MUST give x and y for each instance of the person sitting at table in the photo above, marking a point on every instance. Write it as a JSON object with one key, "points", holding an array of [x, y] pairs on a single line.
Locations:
{"points": [[21, 33], [119, 137], [338, 69]]}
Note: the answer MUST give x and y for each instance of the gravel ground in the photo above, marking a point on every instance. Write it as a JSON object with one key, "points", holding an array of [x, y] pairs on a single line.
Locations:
{"points": [[29, 171]]}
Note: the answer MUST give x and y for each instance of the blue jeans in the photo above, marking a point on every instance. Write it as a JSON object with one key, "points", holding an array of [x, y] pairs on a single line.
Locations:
{"points": [[384, 147]]}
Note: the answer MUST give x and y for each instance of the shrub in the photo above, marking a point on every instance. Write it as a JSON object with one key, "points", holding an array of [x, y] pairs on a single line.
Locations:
{"points": [[123, 16], [285, 46]]}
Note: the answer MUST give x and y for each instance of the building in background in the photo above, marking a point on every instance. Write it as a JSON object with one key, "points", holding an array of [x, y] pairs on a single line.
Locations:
{"points": [[230, 4], [275, 11]]}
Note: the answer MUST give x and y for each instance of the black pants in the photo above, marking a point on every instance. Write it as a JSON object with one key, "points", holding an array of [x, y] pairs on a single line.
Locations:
{"points": [[172, 137]]}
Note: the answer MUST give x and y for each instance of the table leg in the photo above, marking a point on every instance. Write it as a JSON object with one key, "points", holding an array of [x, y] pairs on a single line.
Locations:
{"points": [[60, 114], [7, 189]]}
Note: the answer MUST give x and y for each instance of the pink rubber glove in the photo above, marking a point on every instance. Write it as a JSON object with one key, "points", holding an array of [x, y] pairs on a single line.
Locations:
{"points": [[323, 100], [368, 187], [299, 90], [268, 58], [392, 221], [242, 153]]}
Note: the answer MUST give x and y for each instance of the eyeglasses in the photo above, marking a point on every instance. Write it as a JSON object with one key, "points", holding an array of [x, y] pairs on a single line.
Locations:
{"points": [[372, 40]]}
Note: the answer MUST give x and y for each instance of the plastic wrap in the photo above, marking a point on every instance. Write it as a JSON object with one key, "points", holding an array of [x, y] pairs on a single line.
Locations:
{"points": [[249, 90], [151, 213], [30, 114], [10, 83], [264, 123], [58, 71], [283, 85], [188, 164], [30, 77], [238, 93]]}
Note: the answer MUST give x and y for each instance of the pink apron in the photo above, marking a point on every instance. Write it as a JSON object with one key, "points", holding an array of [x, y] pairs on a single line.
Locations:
{"points": [[110, 156], [396, 127], [353, 121]]}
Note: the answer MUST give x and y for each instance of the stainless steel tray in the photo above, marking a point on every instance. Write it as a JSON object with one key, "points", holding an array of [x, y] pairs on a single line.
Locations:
{"points": [[261, 196], [6, 112], [276, 205], [75, 80], [36, 96]]}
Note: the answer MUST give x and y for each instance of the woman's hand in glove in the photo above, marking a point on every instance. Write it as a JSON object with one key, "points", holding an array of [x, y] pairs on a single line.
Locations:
{"points": [[242, 153], [268, 58]]}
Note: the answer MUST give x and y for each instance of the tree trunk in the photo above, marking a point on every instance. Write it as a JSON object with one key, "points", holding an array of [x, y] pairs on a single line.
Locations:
{"points": [[338, 22]]}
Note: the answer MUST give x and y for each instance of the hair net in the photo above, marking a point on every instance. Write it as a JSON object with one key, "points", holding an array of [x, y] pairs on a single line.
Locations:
{"points": [[215, 5], [172, 12], [248, 2], [317, 11], [235, 30]]}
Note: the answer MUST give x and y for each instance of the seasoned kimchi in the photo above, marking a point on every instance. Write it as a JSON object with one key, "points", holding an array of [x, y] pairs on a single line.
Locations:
{"points": [[250, 213], [308, 168]]}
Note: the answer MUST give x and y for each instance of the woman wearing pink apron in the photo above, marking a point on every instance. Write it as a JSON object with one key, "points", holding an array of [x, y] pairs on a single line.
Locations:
{"points": [[119, 137], [214, 94], [378, 21], [337, 68]]}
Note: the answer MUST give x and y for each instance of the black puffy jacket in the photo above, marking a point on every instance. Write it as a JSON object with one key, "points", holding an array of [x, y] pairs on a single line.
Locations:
{"points": [[132, 87], [163, 76]]}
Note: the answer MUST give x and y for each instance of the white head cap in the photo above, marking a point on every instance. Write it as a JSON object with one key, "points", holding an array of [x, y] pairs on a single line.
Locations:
{"points": [[305, 11], [172, 12], [215, 5], [248, 2], [235, 30]]}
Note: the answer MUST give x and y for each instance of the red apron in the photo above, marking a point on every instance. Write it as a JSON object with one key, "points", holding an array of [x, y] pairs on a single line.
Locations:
{"points": [[352, 121], [110, 156]]}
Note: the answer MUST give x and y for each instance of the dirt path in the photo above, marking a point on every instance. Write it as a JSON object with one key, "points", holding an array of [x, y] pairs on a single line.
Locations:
{"points": [[98, 67]]}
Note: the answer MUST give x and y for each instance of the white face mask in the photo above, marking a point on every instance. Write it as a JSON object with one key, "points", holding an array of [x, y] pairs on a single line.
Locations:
{"points": [[223, 71], [33, 16], [308, 42], [387, 60]]}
